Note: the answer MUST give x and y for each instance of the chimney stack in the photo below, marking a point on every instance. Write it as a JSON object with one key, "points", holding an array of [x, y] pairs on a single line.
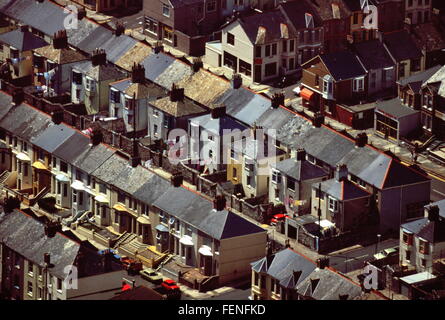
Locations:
{"points": [[138, 73], [158, 47], [318, 119], [361, 139], [99, 57], [197, 64], [81, 13], [60, 40], [47, 259], [323, 262], [236, 81], [277, 100], [176, 93], [433, 213], [300, 154], [57, 116], [219, 203], [24, 28], [18, 96], [120, 29], [218, 112], [341, 172], [96, 136], [51, 228], [176, 179]]}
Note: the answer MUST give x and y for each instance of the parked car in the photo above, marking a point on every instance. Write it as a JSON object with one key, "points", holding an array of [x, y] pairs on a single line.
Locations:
{"points": [[151, 275], [386, 253], [170, 285], [278, 217], [132, 266]]}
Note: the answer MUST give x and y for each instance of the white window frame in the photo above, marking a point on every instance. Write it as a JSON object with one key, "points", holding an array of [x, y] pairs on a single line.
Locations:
{"points": [[332, 204], [358, 84]]}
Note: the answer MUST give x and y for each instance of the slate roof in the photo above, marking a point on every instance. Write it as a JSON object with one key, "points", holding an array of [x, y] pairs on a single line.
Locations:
{"points": [[92, 158], [151, 189], [341, 190], [5, 103], [282, 266], [198, 212], [111, 168], [373, 55], [100, 72], [343, 65], [326, 12], [270, 20], [217, 126], [177, 108], [416, 225], [439, 78], [50, 139], [296, 11], [395, 108], [22, 40], [329, 285], [428, 36], [25, 122], [401, 46], [440, 204], [61, 56], [300, 170], [420, 77], [71, 148], [141, 90], [26, 236]]}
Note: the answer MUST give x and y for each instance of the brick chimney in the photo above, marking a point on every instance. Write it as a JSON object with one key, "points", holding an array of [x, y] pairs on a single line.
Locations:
{"points": [[18, 96], [81, 13], [361, 139], [323, 262], [138, 73], [277, 100], [433, 213], [197, 64], [51, 228], [120, 29], [99, 57], [60, 40], [96, 136], [318, 119], [218, 112], [176, 179], [176, 93], [57, 116], [341, 172], [237, 81], [300, 154], [219, 203]]}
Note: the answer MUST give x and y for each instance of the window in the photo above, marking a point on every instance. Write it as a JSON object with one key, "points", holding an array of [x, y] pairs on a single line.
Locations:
{"points": [[230, 39], [65, 190], [116, 217], [155, 129], [77, 77], [245, 68], [121, 197], [29, 288], [274, 49], [291, 184], [268, 50], [166, 10], [90, 84], [168, 34], [358, 84], [291, 45], [249, 180], [25, 169], [166, 121], [276, 177], [59, 284], [355, 18], [408, 255], [102, 188], [333, 205], [234, 172], [423, 262], [263, 282], [271, 69], [63, 166], [115, 96], [151, 26], [80, 198], [24, 146], [258, 52], [255, 278], [211, 6], [284, 45], [30, 269], [407, 238], [424, 246], [14, 53], [79, 175], [230, 61]]}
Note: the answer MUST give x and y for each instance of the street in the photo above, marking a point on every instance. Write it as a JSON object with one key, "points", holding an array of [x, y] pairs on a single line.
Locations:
{"points": [[437, 190]]}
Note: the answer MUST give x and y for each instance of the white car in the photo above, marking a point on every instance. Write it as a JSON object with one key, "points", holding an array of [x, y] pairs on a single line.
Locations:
{"points": [[297, 90]]}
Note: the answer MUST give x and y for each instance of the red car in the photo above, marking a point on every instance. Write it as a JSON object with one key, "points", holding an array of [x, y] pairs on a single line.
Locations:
{"points": [[170, 285], [278, 217]]}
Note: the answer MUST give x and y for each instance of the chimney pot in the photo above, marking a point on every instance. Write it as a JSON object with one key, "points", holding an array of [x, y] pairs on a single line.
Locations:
{"points": [[361, 139], [120, 29], [219, 203], [176, 93], [99, 57], [197, 64], [277, 100], [176, 179], [60, 40], [300, 154], [218, 112], [433, 213], [318, 119], [138, 73], [237, 81]]}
